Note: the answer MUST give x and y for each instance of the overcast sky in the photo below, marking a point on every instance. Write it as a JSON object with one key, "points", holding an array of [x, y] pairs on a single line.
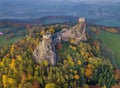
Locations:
{"points": [[21, 7], [90, 1]]}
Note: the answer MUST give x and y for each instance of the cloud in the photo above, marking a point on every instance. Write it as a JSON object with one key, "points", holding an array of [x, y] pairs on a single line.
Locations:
{"points": [[62, 1], [86, 1]]}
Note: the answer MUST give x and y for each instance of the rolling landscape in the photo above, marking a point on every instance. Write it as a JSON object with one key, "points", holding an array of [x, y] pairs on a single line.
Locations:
{"points": [[63, 44]]}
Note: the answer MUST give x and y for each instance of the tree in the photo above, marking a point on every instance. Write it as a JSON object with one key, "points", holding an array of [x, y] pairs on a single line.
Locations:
{"points": [[36, 84], [51, 30], [5, 81], [76, 77], [79, 62], [72, 47], [88, 72], [25, 85], [12, 49], [59, 46], [13, 65], [42, 32], [19, 57], [50, 85]]}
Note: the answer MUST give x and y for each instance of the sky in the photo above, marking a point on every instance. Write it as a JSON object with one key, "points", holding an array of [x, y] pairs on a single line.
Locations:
{"points": [[87, 1], [10, 8], [90, 1], [54, 1]]}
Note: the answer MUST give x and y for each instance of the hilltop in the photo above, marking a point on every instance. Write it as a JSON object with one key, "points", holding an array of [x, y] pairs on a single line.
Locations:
{"points": [[55, 56], [46, 48]]}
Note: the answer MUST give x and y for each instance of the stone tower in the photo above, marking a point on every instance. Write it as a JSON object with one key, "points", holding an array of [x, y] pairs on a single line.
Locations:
{"points": [[83, 28], [81, 20], [47, 39], [77, 32], [47, 36]]}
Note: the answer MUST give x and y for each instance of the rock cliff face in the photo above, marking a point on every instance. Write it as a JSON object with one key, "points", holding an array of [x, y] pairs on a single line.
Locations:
{"points": [[46, 49]]}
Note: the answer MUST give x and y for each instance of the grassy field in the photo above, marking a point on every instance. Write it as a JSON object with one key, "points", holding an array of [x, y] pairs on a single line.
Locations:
{"points": [[4, 41], [112, 41]]}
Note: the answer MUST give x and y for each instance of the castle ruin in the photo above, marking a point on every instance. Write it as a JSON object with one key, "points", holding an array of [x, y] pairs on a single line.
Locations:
{"points": [[46, 48], [76, 33]]}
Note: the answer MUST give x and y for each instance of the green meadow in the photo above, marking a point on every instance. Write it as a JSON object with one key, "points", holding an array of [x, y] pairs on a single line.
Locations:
{"points": [[17, 36], [113, 42], [4, 41]]}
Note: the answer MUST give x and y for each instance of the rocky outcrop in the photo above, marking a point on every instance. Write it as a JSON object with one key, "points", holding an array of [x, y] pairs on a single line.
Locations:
{"points": [[44, 51], [77, 33]]}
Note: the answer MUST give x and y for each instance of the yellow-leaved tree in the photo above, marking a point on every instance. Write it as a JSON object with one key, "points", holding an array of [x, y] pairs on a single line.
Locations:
{"points": [[5, 80], [13, 65], [12, 49], [50, 85], [42, 32], [88, 72], [51, 30]]}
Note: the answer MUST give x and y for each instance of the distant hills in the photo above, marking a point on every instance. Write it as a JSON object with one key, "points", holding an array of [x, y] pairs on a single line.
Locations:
{"points": [[68, 20], [27, 10], [98, 13]]}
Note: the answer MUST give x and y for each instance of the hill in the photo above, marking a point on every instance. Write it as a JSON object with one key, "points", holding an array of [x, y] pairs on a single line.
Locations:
{"points": [[78, 64]]}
